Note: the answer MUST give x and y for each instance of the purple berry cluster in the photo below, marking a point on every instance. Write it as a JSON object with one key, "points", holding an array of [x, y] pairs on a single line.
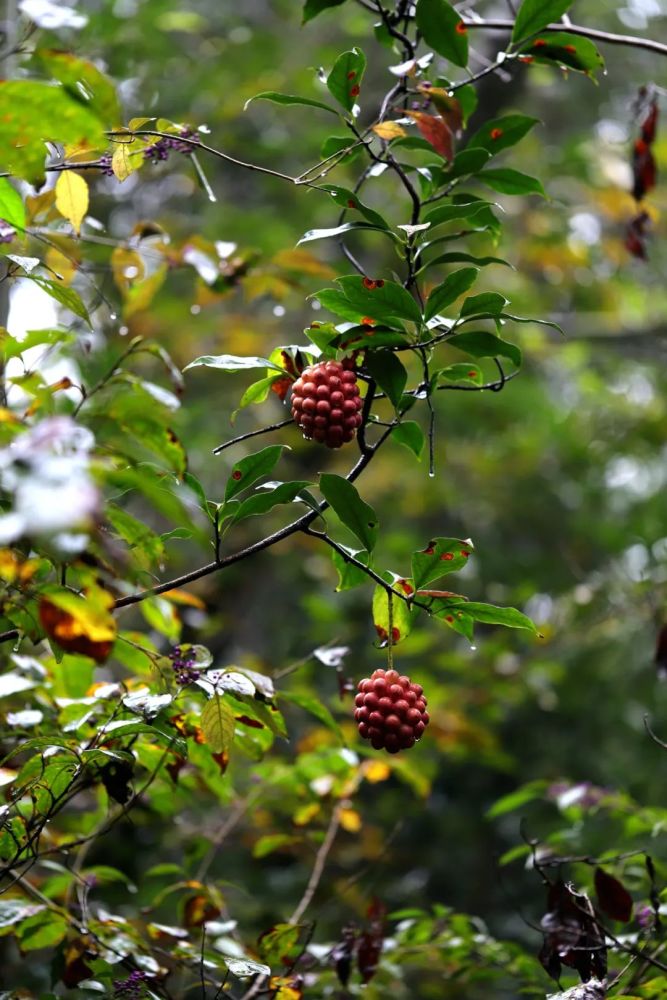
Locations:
{"points": [[185, 670], [104, 163], [160, 150], [133, 987]]}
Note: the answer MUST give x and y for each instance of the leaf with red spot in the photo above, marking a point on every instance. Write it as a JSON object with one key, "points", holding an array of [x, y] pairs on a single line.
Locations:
{"points": [[251, 468], [501, 133], [563, 49], [436, 131], [533, 15], [441, 556], [444, 30], [613, 898], [401, 614], [344, 80]]}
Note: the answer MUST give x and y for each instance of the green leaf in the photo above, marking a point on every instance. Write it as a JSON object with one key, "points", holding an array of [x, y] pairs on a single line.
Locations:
{"points": [[531, 319], [349, 575], [501, 133], [440, 557], [289, 99], [35, 112], [266, 500], [12, 209], [337, 302], [461, 258], [454, 285], [459, 373], [65, 296], [217, 724], [468, 161], [509, 181], [43, 930], [482, 344], [492, 615], [345, 78], [337, 144], [564, 49], [257, 392], [486, 303], [533, 15], [468, 101], [388, 372], [83, 81], [309, 703], [401, 615], [461, 210], [271, 842], [346, 227], [348, 199], [232, 363], [354, 512], [314, 7], [443, 30], [249, 469], [383, 300], [12, 348], [508, 803], [410, 434]]}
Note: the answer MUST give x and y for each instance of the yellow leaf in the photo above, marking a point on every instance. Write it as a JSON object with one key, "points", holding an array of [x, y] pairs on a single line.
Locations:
{"points": [[217, 723], [305, 813], [389, 130], [350, 820], [183, 597], [376, 770], [125, 160], [72, 197], [304, 262], [64, 266]]}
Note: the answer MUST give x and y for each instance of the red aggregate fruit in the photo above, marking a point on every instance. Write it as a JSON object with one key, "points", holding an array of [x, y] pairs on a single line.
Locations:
{"points": [[326, 403], [390, 711]]}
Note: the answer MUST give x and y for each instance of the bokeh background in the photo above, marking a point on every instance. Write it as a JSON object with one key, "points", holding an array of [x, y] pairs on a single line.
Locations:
{"points": [[559, 479]]}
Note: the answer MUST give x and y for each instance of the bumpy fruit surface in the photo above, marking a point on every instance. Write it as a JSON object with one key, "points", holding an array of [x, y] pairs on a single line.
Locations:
{"points": [[391, 711], [326, 403]]}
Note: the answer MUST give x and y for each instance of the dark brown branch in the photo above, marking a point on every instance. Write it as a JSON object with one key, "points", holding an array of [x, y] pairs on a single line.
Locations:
{"points": [[264, 543], [252, 434]]}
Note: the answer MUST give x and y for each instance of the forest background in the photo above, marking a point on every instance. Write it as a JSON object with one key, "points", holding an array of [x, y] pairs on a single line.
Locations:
{"points": [[559, 479]]}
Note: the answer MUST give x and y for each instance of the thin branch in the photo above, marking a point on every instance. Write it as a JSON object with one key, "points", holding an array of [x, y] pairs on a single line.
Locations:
{"points": [[252, 434], [259, 546], [633, 41], [197, 144], [318, 868]]}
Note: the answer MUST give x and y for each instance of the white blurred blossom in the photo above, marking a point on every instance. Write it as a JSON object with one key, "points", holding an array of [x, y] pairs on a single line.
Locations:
{"points": [[46, 474], [50, 15]]}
